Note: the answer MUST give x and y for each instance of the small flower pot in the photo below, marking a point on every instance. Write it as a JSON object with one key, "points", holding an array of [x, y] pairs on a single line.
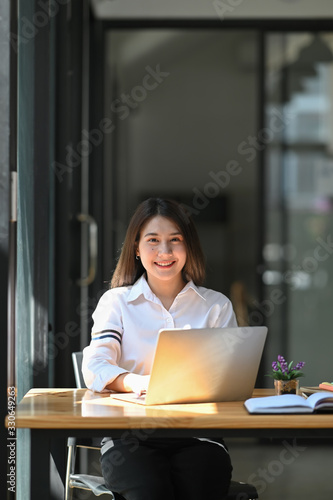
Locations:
{"points": [[286, 386]]}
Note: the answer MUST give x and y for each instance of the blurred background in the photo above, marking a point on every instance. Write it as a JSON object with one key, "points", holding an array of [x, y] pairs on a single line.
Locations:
{"points": [[238, 129], [224, 106]]}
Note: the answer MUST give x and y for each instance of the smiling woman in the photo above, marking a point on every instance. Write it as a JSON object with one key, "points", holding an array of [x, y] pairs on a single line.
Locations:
{"points": [[157, 284], [162, 251], [177, 228]]}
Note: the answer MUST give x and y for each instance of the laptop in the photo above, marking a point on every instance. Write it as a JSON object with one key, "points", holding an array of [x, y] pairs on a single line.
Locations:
{"points": [[203, 366]]}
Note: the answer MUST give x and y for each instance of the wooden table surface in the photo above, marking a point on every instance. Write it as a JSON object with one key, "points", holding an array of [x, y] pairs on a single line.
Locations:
{"points": [[56, 414], [84, 409]]}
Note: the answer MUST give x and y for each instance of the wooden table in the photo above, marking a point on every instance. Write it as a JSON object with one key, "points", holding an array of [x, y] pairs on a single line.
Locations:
{"points": [[61, 413]]}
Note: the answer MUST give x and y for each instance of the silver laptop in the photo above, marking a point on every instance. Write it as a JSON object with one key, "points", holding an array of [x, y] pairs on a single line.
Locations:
{"points": [[203, 365]]}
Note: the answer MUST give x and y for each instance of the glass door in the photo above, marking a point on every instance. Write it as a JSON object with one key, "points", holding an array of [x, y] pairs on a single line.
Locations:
{"points": [[298, 250]]}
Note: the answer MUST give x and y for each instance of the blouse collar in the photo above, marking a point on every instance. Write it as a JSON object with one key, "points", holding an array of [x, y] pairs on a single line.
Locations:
{"points": [[141, 287]]}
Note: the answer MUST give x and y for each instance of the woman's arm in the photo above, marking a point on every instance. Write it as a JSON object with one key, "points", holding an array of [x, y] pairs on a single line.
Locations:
{"points": [[226, 317], [101, 372], [101, 357]]}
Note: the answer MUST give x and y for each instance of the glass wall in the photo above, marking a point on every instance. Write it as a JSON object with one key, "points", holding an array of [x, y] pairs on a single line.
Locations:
{"points": [[184, 104], [298, 253], [185, 109]]}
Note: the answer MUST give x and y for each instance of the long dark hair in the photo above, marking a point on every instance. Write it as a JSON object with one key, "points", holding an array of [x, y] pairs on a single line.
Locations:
{"points": [[129, 269]]}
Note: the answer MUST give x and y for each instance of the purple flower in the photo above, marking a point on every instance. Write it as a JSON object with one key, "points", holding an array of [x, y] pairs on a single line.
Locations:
{"points": [[284, 371], [283, 364], [299, 365]]}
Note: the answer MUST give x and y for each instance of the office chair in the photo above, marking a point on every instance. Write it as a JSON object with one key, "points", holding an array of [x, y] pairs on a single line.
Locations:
{"points": [[95, 484]]}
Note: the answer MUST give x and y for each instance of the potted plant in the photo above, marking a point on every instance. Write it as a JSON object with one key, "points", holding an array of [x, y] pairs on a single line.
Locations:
{"points": [[286, 376]]}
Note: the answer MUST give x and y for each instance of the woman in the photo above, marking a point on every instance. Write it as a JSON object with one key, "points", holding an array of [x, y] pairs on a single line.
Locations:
{"points": [[157, 284]]}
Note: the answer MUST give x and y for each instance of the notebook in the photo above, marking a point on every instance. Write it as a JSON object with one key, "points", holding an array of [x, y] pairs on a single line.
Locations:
{"points": [[202, 366]]}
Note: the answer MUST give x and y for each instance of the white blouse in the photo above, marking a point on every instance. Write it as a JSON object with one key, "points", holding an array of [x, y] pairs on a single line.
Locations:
{"points": [[127, 321]]}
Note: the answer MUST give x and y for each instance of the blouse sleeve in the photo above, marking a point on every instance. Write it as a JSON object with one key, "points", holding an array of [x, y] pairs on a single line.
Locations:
{"points": [[226, 317], [101, 357]]}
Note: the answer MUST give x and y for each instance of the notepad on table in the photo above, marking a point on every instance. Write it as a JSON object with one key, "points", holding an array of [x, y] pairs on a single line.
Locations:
{"points": [[291, 403], [328, 386]]}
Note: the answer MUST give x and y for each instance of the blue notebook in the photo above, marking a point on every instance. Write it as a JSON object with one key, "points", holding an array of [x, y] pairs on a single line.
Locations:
{"points": [[291, 403]]}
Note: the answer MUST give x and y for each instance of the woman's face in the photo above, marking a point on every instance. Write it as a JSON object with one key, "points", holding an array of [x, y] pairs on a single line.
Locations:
{"points": [[162, 249]]}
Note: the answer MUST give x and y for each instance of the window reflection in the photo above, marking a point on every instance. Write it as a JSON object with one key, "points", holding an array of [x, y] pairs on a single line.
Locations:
{"points": [[298, 252]]}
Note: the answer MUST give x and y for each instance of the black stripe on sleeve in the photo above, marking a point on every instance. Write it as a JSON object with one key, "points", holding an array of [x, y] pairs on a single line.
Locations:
{"points": [[107, 336], [99, 335]]}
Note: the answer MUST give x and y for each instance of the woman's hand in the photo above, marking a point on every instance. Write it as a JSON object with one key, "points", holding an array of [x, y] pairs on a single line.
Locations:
{"points": [[130, 382], [136, 383]]}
